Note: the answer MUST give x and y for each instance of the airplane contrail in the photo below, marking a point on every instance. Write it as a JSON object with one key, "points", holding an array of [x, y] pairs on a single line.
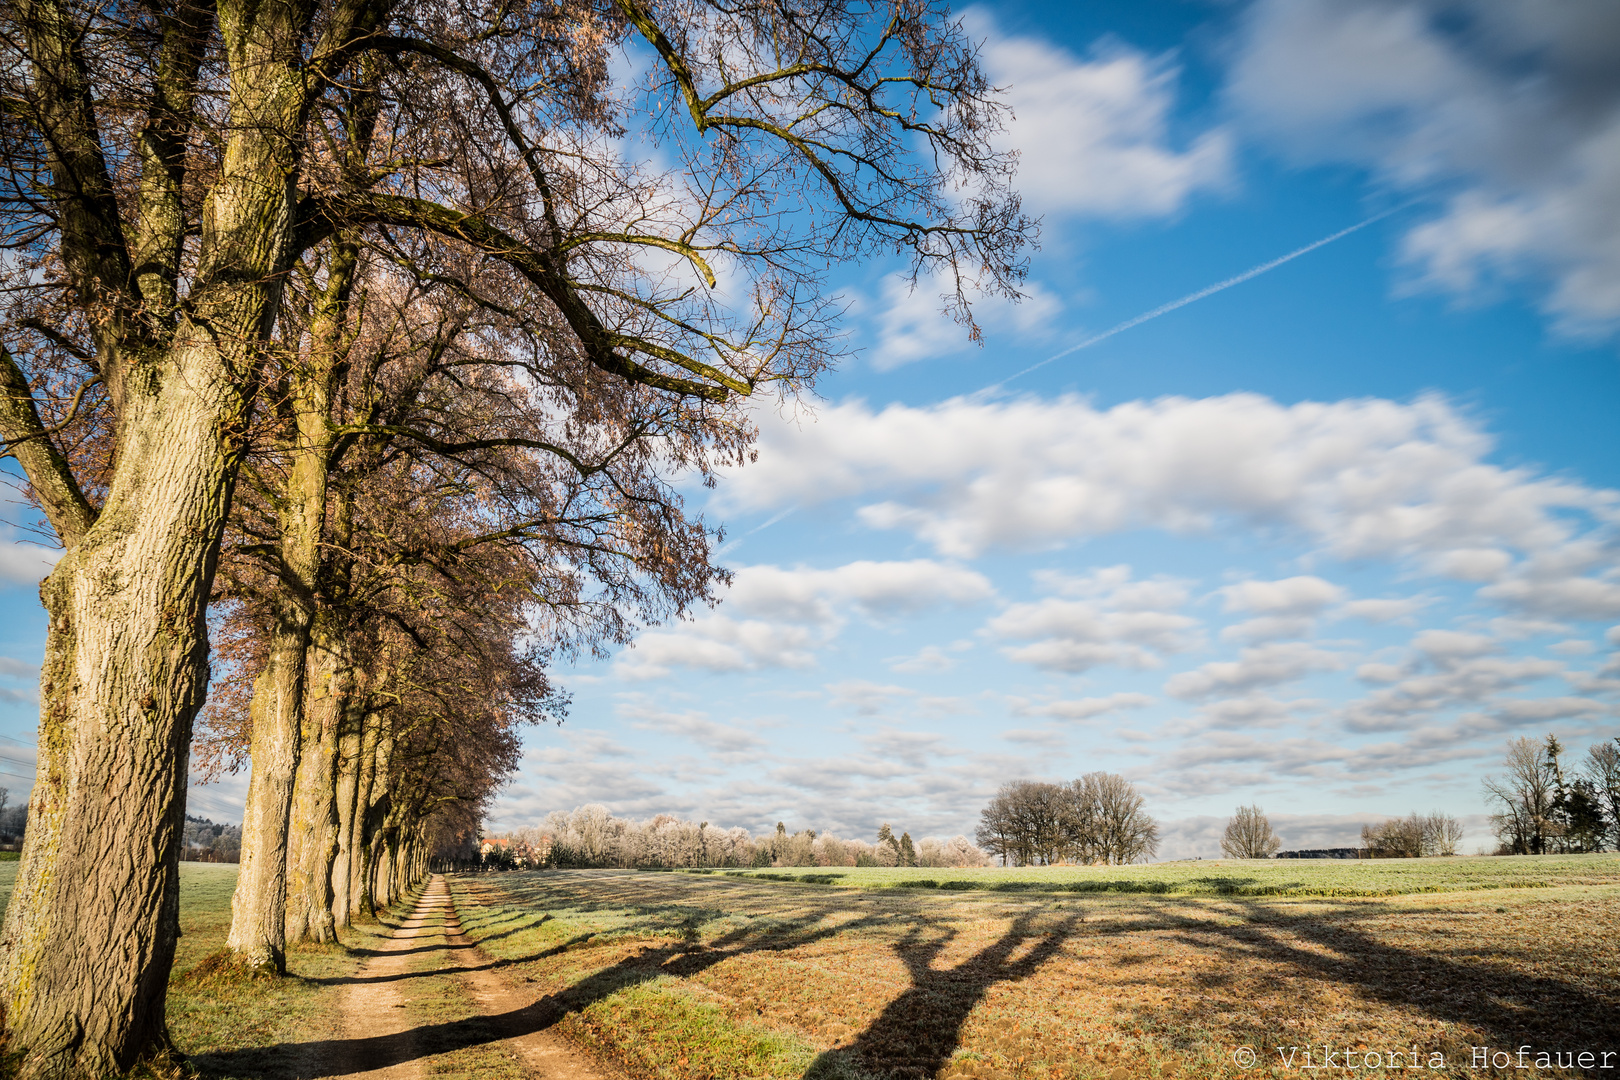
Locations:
{"points": [[1165, 309]]}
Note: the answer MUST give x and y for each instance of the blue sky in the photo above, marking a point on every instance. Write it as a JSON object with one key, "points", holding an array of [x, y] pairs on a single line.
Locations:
{"points": [[1322, 541]]}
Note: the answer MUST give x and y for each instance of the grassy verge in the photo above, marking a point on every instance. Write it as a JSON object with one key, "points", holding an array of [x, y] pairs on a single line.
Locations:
{"points": [[230, 1024], [694, 976], [1227, 877]]}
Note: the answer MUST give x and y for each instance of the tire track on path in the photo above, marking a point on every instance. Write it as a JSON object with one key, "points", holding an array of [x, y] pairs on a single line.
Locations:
{"points": [[376, 1016]]}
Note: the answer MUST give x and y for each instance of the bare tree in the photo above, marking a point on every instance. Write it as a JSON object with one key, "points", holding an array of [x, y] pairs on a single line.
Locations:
{"points": [[1248, 835], [1524, 795], [1413, 836], [997, 832], [1441, 834], [1124, 832], [1096, 818], [1602, 768]]}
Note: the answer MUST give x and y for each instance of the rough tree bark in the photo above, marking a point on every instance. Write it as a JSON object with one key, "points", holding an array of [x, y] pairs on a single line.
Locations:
{"points": [[90, 930], [283, 745], [360, 829], [313, 832], [347, 789], [257, 934]]}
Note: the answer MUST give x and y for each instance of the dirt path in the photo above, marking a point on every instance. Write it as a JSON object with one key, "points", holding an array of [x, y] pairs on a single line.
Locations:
{"points": [[376, 1023]]}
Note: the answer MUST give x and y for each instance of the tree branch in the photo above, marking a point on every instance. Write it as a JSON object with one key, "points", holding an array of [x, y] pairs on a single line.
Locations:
{"points": [[27, 440]]}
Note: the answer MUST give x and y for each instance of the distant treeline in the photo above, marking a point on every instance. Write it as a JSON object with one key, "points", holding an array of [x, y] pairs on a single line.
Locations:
{"points": [[589, 836], [202, 840], [13, 819], [210, 841]]}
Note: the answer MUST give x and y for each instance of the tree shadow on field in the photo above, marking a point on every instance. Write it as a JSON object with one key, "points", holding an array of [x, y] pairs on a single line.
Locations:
{"points": [[1471, 984], [817, 920], [918, 1032]]}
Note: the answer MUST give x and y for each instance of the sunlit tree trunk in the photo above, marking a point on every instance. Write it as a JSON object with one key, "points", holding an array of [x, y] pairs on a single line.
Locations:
{"points": [[90, 929], [313, 833], [257, 935], [347, 791], [268, 910], [360, 829]]}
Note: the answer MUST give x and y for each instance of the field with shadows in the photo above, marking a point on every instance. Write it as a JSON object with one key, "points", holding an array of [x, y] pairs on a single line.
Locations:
{"points": [[691, 976]]}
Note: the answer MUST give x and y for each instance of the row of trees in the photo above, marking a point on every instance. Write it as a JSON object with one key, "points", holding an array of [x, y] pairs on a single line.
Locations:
{"points": [[340, 335], [1543, 806], [1413, 837], [590, 836], [1095, 819], [1249, 835]]}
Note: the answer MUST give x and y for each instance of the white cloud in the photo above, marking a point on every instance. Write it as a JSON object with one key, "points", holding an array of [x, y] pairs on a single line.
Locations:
{"points": [[866, 698], [913, 326], [1254, 710], [724, 741], [1510, 628], [24, 563], [877, 588], [1385, 610], [1295, 596], [1082, 708], [1116, 624], [1360, 478], [1093, 134], [1043, 737], [1472, 564], [797, 612], [1286, 608], [1268, 628], [1560, 597], [1266, 665], [1515, 108], [927, 660], [719, 644], [1448, 668]]}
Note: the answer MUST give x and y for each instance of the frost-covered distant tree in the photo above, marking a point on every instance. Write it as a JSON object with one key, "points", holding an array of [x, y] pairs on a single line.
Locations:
{"points": [[1248, 835], [1441, 834]]}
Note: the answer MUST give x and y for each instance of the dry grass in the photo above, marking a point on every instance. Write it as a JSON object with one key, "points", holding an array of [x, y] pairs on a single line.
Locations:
{"points": [[707, 977]]}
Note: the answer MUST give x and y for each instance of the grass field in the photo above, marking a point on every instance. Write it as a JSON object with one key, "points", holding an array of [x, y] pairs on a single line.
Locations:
{"points": [[716, 977], [712, 976], [1231, 877]]}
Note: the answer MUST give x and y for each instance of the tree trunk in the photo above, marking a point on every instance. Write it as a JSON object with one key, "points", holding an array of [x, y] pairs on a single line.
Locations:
{"points": [[379, 821], [360, 902], [313, 833], [257, 933], [90, 931], [348, 790]]}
